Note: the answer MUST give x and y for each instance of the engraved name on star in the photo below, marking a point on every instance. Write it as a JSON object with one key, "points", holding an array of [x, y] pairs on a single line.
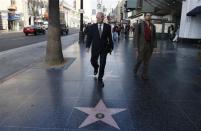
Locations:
{"points": [[100, 113]]}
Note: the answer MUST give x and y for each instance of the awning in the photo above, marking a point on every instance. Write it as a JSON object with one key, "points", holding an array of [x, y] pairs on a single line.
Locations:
{"points": [[195, 11], [12, 17], [131, 4]]}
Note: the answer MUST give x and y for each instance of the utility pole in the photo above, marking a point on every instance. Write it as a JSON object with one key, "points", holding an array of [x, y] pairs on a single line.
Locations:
{"points": [[81, 35], [125, 10]]}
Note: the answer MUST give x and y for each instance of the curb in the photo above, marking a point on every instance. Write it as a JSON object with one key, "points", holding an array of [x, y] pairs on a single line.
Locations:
{"points": [[10, 32], [42, 43]]}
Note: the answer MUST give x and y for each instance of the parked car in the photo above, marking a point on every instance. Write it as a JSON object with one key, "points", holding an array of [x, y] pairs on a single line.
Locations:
{"points": [[64, 29], [34, 29], [45, 25]]}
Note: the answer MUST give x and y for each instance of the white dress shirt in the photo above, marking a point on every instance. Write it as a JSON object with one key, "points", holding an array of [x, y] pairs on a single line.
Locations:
{"points": [[101, 27]]}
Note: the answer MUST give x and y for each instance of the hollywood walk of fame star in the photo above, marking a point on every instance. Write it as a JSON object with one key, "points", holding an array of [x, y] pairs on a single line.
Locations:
{"points": [[100, 113]]}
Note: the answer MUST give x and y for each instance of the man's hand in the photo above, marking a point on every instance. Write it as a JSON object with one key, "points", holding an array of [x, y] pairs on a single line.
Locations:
{"points": [[87, 50]]}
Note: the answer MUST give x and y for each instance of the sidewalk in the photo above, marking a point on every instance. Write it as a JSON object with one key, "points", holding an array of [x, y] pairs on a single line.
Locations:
{"points": [[17, 59], [68, 99]]}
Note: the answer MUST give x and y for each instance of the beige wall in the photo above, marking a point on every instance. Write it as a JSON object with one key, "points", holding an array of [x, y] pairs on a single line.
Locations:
{"points": [[77, 5], [3, 9], [71, 16], [117, 10], [4, 4]]}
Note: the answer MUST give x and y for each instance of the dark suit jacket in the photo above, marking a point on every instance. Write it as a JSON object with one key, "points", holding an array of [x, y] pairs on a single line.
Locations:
{"points": [[99, 44], [140, 39]]}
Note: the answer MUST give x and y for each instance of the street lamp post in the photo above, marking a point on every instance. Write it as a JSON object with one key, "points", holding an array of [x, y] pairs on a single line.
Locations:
{"points": [[121, 12], [81, 35], [125, 9]]}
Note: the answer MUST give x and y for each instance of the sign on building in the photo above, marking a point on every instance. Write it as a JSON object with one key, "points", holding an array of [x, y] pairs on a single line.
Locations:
{"points": [[132, 4]]}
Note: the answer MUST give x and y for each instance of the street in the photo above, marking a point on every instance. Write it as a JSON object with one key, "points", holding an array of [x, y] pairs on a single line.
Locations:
{"points": [[18, 39]]}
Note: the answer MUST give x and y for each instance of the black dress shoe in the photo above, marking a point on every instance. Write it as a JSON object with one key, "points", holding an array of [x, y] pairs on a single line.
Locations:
{"points": [[144, 77], [135, 71], [96, 71], [100, 83]]}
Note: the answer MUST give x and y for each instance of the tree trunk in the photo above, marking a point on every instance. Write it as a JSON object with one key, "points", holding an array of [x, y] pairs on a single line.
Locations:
{"points": [[54, 55]]}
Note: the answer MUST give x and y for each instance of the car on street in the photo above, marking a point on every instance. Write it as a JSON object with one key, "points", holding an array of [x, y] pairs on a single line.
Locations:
{"points": [[45, 25], [34, 29], [64, 29]]}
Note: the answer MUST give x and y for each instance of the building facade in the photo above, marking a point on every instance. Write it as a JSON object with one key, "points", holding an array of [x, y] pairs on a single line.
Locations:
{"points": [[186, 13], [119, 11], [37, 12], [190, 25], [15, 14], [165, 13], [12, 14], [69, 15], [4, 14]]}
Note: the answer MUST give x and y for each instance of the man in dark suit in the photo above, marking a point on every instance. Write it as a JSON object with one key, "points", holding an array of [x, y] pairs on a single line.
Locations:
{"points": [[100, 37], [145, 39]]}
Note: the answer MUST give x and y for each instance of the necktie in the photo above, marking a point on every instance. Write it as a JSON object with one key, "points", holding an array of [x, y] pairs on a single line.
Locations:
{"points": [[99, 30]]}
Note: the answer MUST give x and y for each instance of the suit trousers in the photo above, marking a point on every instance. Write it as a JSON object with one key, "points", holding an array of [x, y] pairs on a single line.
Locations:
{"points": [[144, 57], [94, 62]]}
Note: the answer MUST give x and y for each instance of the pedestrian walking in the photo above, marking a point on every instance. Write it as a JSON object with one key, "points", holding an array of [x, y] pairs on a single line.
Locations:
{"points": [[145, 40], [100, 37]]}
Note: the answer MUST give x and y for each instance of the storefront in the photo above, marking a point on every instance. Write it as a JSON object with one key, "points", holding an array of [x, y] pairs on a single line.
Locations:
{"points": [[3, 20], [13, 21]]}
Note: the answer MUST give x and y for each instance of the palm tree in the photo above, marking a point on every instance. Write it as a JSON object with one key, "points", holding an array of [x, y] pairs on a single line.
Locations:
{"points": [[54, 55]]}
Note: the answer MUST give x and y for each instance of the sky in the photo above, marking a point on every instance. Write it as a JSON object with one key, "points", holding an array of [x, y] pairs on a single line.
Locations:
{"points": [[91, 4]]}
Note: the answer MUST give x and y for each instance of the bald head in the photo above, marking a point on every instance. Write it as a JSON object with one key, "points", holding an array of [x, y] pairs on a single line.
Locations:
{"points": [[100, 17]]}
